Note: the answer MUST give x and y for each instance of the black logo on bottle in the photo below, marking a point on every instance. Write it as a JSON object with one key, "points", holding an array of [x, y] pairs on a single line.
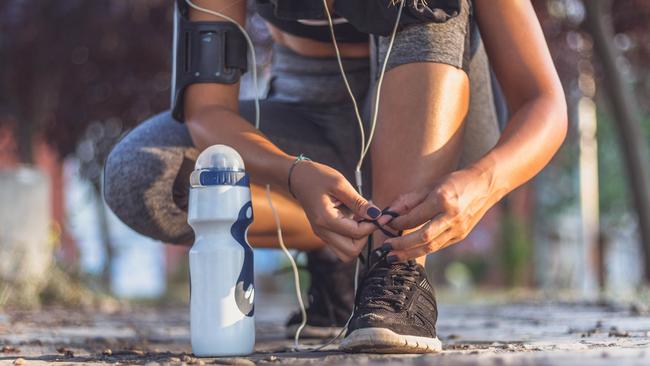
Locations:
{"points": [[245, 288]]}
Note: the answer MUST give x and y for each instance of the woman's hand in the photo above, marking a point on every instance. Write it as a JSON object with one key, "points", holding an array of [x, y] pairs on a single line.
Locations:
{"points": [[331, 205], [447, 213]]}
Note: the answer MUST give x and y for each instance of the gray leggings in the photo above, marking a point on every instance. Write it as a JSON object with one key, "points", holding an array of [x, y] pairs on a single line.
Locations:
{"points": [[306, 110]]}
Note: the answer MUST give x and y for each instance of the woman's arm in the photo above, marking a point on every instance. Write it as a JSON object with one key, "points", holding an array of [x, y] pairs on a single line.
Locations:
{"points": [[519, 55], [212, 113], [521, 60], [212, 117]]}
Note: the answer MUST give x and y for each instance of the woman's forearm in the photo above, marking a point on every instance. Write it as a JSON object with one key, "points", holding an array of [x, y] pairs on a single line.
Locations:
{"points": [[519, 55], [532, 136], [264, 161]]}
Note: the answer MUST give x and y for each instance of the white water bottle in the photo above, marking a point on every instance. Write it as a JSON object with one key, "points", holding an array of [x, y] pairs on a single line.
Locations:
{"points": [[221, 260]]}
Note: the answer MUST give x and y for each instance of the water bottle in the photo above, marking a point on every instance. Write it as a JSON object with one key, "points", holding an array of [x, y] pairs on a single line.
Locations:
{"points": [[221, 260]]}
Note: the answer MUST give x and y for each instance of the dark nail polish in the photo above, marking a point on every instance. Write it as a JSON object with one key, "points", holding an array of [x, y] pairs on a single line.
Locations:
{"points": [[391, 259], [374, 212], [386, 247]]}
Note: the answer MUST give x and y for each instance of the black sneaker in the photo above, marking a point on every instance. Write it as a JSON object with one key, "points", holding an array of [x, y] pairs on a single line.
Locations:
{"points": [[331, 297], [395, 312]]}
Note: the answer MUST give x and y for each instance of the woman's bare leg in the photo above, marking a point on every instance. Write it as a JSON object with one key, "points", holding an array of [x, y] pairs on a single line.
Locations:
{"points": [[419, 130]]}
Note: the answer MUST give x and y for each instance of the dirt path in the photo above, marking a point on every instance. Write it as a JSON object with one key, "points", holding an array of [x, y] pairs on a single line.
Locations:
{"points": [[531, 334]]}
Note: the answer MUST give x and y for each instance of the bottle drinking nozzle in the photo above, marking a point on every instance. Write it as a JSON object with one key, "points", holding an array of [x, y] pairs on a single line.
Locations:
{"points": [[222, 291]]}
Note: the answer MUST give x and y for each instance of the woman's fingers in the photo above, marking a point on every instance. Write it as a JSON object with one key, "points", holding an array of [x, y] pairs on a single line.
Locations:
{"points": [[334, 218], [339, 254], [347, 227], [442, 241], [344, 247], [405, 202], [414, 214], [422, 236], [345, 193]]}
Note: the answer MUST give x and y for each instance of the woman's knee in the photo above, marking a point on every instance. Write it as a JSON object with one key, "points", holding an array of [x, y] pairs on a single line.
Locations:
{"points": [[146, 179]]}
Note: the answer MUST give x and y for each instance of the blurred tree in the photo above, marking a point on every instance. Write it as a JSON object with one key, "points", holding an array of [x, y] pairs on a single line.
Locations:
{"points": [[628, 119], [568, 27], [70, 62], [79, 73]]}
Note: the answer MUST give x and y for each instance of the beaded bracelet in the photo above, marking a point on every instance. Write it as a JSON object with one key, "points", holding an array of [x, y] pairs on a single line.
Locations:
{"points": [[299, 158]]}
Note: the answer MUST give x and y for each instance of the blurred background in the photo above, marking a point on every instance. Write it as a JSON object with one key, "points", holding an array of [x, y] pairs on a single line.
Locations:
{"points": [[76, 75]]}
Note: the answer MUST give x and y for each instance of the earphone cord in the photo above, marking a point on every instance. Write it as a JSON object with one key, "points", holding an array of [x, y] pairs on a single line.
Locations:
{"points": [[365, 146]]}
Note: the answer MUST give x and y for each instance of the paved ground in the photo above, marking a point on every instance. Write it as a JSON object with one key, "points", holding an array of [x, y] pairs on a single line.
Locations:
{"points": [[507, 334]]}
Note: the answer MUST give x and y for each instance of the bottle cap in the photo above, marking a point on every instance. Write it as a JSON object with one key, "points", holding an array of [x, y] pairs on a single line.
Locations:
{"points": [[220, 157], [219, 165]]}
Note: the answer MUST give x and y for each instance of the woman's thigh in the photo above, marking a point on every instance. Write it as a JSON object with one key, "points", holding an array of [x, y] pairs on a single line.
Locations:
{"points": [[457, 43]]}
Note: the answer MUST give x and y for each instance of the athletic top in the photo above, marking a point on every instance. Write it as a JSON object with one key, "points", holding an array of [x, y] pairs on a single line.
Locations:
{"points": [[316, 29], [353, 19]]}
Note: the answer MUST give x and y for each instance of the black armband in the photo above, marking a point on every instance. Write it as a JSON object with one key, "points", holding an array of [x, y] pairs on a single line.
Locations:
{"points": [[204, 52]]}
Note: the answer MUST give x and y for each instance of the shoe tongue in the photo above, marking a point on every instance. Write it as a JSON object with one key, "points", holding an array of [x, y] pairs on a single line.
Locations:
{"points": [[410, 265]]}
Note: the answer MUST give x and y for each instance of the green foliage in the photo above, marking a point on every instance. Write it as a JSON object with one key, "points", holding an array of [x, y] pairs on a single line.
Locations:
{"points": [[614, 190], [613, 180], [478, 267], [516, 250]]}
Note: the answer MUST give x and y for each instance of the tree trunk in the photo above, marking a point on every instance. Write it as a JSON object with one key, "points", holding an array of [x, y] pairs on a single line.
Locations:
{"points": [[627, 118]]}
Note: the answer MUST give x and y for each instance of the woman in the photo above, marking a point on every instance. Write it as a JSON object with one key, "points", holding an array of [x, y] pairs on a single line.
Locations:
{"points": [[435, 162]]}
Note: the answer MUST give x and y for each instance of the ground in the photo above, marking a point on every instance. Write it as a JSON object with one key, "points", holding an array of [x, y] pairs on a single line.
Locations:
{"points": [[472, 334]]}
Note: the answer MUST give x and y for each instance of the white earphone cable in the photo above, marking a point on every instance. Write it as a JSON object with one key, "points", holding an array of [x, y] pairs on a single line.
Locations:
{"points": [[296, 278], [352, 98], [365, 145], [380, 81]]}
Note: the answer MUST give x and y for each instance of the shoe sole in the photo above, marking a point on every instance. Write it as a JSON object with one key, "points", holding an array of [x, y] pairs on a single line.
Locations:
{"points": [[313, 332], [383, 340]]}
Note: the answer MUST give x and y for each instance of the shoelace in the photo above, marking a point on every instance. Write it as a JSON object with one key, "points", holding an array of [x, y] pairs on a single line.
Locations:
{"points": [[387, 286], [377, 293], [381, 228], [376, 255]]}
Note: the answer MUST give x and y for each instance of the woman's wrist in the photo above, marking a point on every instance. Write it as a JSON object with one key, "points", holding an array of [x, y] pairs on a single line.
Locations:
{"points": [[275, 170], [299, 159], [487, 169]]}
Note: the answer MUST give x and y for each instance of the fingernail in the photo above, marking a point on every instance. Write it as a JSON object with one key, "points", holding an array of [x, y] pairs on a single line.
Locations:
{"points": [[373, 212], [391, 259], [386, 247]]}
